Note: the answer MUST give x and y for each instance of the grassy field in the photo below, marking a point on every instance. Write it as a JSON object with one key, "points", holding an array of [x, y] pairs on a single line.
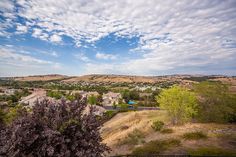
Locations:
{"points": [[132, 132]]}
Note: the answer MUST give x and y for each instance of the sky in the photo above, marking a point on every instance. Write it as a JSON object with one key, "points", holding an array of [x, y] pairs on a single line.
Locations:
{"points": [[128, 37]]}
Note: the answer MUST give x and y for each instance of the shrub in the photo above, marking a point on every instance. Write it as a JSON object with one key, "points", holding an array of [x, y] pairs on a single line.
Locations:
{"points": [[109, 114], [157, 125], [124, 107], [180, 103], [217, 104], [13, 112], [211, 151], [167, 131], [53, 130], [155, 147], [194, 135], [92, 99], [133, 138]]}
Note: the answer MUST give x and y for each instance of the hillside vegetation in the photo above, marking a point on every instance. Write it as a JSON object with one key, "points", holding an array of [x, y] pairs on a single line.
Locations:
{"points": [[129, 131]]}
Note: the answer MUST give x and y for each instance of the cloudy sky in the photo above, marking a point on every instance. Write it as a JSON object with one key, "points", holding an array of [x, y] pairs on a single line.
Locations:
{"points": [[135, 37]]}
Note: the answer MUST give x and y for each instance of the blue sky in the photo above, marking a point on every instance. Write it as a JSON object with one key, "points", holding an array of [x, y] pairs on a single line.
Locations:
{"points": [[135, 37]]}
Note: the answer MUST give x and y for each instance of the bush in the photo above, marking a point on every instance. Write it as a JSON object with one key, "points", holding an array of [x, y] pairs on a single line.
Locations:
{"points": [[109, 114], [124, 107], [194, 135], [155, 147], [53, 130], [12, 114], [180, 103], [133, 138], [167, 131], [211, 151], [217, 104], [157, 125], [92, 99]]}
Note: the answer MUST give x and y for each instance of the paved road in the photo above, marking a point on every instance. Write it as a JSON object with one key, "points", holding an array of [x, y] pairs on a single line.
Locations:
{"points": [[138, 109]]}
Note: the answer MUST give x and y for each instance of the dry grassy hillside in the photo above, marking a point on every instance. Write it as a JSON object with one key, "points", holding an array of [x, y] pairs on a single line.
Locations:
{"points": [[127, 131], [122, 78], [41, 78]]}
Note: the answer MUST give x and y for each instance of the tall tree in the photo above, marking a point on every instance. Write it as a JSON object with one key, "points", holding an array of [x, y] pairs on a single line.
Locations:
{"points": [[180, 104]]}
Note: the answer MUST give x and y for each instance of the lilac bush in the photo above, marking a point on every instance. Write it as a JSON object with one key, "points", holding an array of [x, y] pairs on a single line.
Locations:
{"points": [[50, 129]]}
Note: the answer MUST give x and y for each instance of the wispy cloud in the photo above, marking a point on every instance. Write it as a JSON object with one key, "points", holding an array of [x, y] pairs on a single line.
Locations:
{"points": [[55, 38], [105, 56], [23, 63], [82, 57], [173, 35]]}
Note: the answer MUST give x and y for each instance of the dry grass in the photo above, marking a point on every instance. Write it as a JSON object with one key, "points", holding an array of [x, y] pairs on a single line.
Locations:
{"points": [[198, 135], [41, 78], [113, 131], [122, 125]]}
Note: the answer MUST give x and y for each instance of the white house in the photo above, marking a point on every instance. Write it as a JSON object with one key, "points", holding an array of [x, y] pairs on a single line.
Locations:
{"points": [[111, 98]]}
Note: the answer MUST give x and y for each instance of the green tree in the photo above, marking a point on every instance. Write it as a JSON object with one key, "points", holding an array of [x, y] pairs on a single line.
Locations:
{"points": [[126, 95], [114, 105], [124, 107], [99, 100], [92, 99], [180, 104], [217, 104]]}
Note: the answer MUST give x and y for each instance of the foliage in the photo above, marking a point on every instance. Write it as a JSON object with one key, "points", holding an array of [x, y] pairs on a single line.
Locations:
{"points": [[13, 99], [92, 99], [167, 131], [199, 79], [53, 130], [180, 103], [211, 151], [12, 113], [217, 104], [99, 100], [2, 115], [130, 95], [124, 107], [109, 114], [157, 125], [133, 138], [55, 94], [114, 105], [194, 135], [155, 147], [70, 97]]}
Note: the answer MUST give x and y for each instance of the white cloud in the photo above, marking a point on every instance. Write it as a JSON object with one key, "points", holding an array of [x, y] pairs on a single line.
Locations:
{"points": [[38, 33], [13, 63], [172, 34], [82, 57], [9, 55], [55, 38], [6, 5], [105, 56], [21, 29]]}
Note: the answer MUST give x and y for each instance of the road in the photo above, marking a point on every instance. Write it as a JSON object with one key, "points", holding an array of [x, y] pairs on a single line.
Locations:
{"points": [[138, 109]]}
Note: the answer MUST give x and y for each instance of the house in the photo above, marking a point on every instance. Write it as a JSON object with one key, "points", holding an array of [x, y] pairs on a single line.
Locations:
{"points": [[111, 98], [84, 93], [10, 91]]}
